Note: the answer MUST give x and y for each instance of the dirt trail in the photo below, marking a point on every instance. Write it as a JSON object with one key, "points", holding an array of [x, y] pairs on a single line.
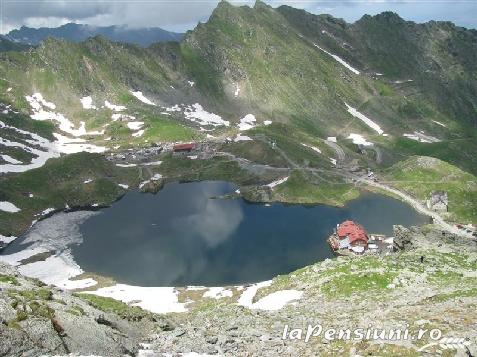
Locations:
{"points": [[341, 156]]}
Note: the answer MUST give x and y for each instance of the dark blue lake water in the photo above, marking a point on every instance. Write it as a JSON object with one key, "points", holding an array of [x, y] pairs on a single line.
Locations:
{"points": [[182, 236]]}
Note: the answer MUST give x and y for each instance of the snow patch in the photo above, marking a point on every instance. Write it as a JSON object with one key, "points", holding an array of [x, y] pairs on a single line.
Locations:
{"points": [[359, 140], [277, 300], [135, 125], [126, 165], [122, 185], [87, 103], [10, 159], [247, 122], [191, 83], [364, 119], [138, 134], [16, 258], [57, 270], [152, 163], [332, 139], [116, 108], [37, 104], [439, 123], [242, 138], [237, 90], [267, 122], [160, 300], [71, 146], [141, 97], [41, 148], [7, 240], [196, 113], [246, 299], [8, 207]]}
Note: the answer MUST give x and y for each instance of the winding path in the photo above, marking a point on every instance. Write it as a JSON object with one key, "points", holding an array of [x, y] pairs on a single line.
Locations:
{"points": [[437, 219]]}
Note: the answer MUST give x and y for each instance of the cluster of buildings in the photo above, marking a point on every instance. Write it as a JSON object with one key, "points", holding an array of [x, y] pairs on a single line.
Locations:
{"points": [[351, 238]]}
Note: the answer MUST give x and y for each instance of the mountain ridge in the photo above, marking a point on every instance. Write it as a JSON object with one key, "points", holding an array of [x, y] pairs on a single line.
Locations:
{"points": [[80, 32]]}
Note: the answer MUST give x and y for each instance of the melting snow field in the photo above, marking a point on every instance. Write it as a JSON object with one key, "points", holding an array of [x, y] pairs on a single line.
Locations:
{"points": [[42, 149], [339, 59], [364, 119], [332, 139], [38, 104]]}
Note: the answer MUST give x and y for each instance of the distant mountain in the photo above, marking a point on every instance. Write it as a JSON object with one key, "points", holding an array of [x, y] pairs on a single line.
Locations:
{"points": [[78, 32], [7, 45]]}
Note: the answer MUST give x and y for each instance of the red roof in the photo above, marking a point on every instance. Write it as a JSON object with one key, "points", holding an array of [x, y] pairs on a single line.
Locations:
{"points": [[180, 147], [355, 232]]}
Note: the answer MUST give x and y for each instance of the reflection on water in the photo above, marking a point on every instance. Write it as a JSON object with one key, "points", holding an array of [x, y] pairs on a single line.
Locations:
{"points": [[183, 237]]}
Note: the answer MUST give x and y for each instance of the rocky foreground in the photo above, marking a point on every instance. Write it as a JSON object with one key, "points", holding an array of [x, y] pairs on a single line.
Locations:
{"points": [[430, 284]]}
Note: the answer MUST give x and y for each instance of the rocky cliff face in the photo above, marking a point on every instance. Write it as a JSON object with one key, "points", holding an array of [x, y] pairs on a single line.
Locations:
{"points": [[41, 320]]}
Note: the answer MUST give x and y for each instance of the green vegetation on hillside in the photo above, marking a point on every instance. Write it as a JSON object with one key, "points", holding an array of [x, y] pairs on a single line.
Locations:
{"points": [[422, 175], [306, 188], [60, 184]]}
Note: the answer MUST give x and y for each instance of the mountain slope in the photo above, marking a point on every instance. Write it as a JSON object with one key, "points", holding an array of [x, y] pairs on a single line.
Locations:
{"points": [[79, 32], [303, 88], [438, 57]]}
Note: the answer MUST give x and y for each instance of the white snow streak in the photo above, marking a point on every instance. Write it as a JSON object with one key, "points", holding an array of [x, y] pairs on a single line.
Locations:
{"points": [[364, 119], [339, 59], [312, 147], [116, 108], [277, 182], [141, 97]]}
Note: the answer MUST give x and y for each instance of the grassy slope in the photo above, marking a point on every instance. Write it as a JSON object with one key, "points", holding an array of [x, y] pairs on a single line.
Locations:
{"points": [[59, 183], [422, 175], [304, 188]]}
